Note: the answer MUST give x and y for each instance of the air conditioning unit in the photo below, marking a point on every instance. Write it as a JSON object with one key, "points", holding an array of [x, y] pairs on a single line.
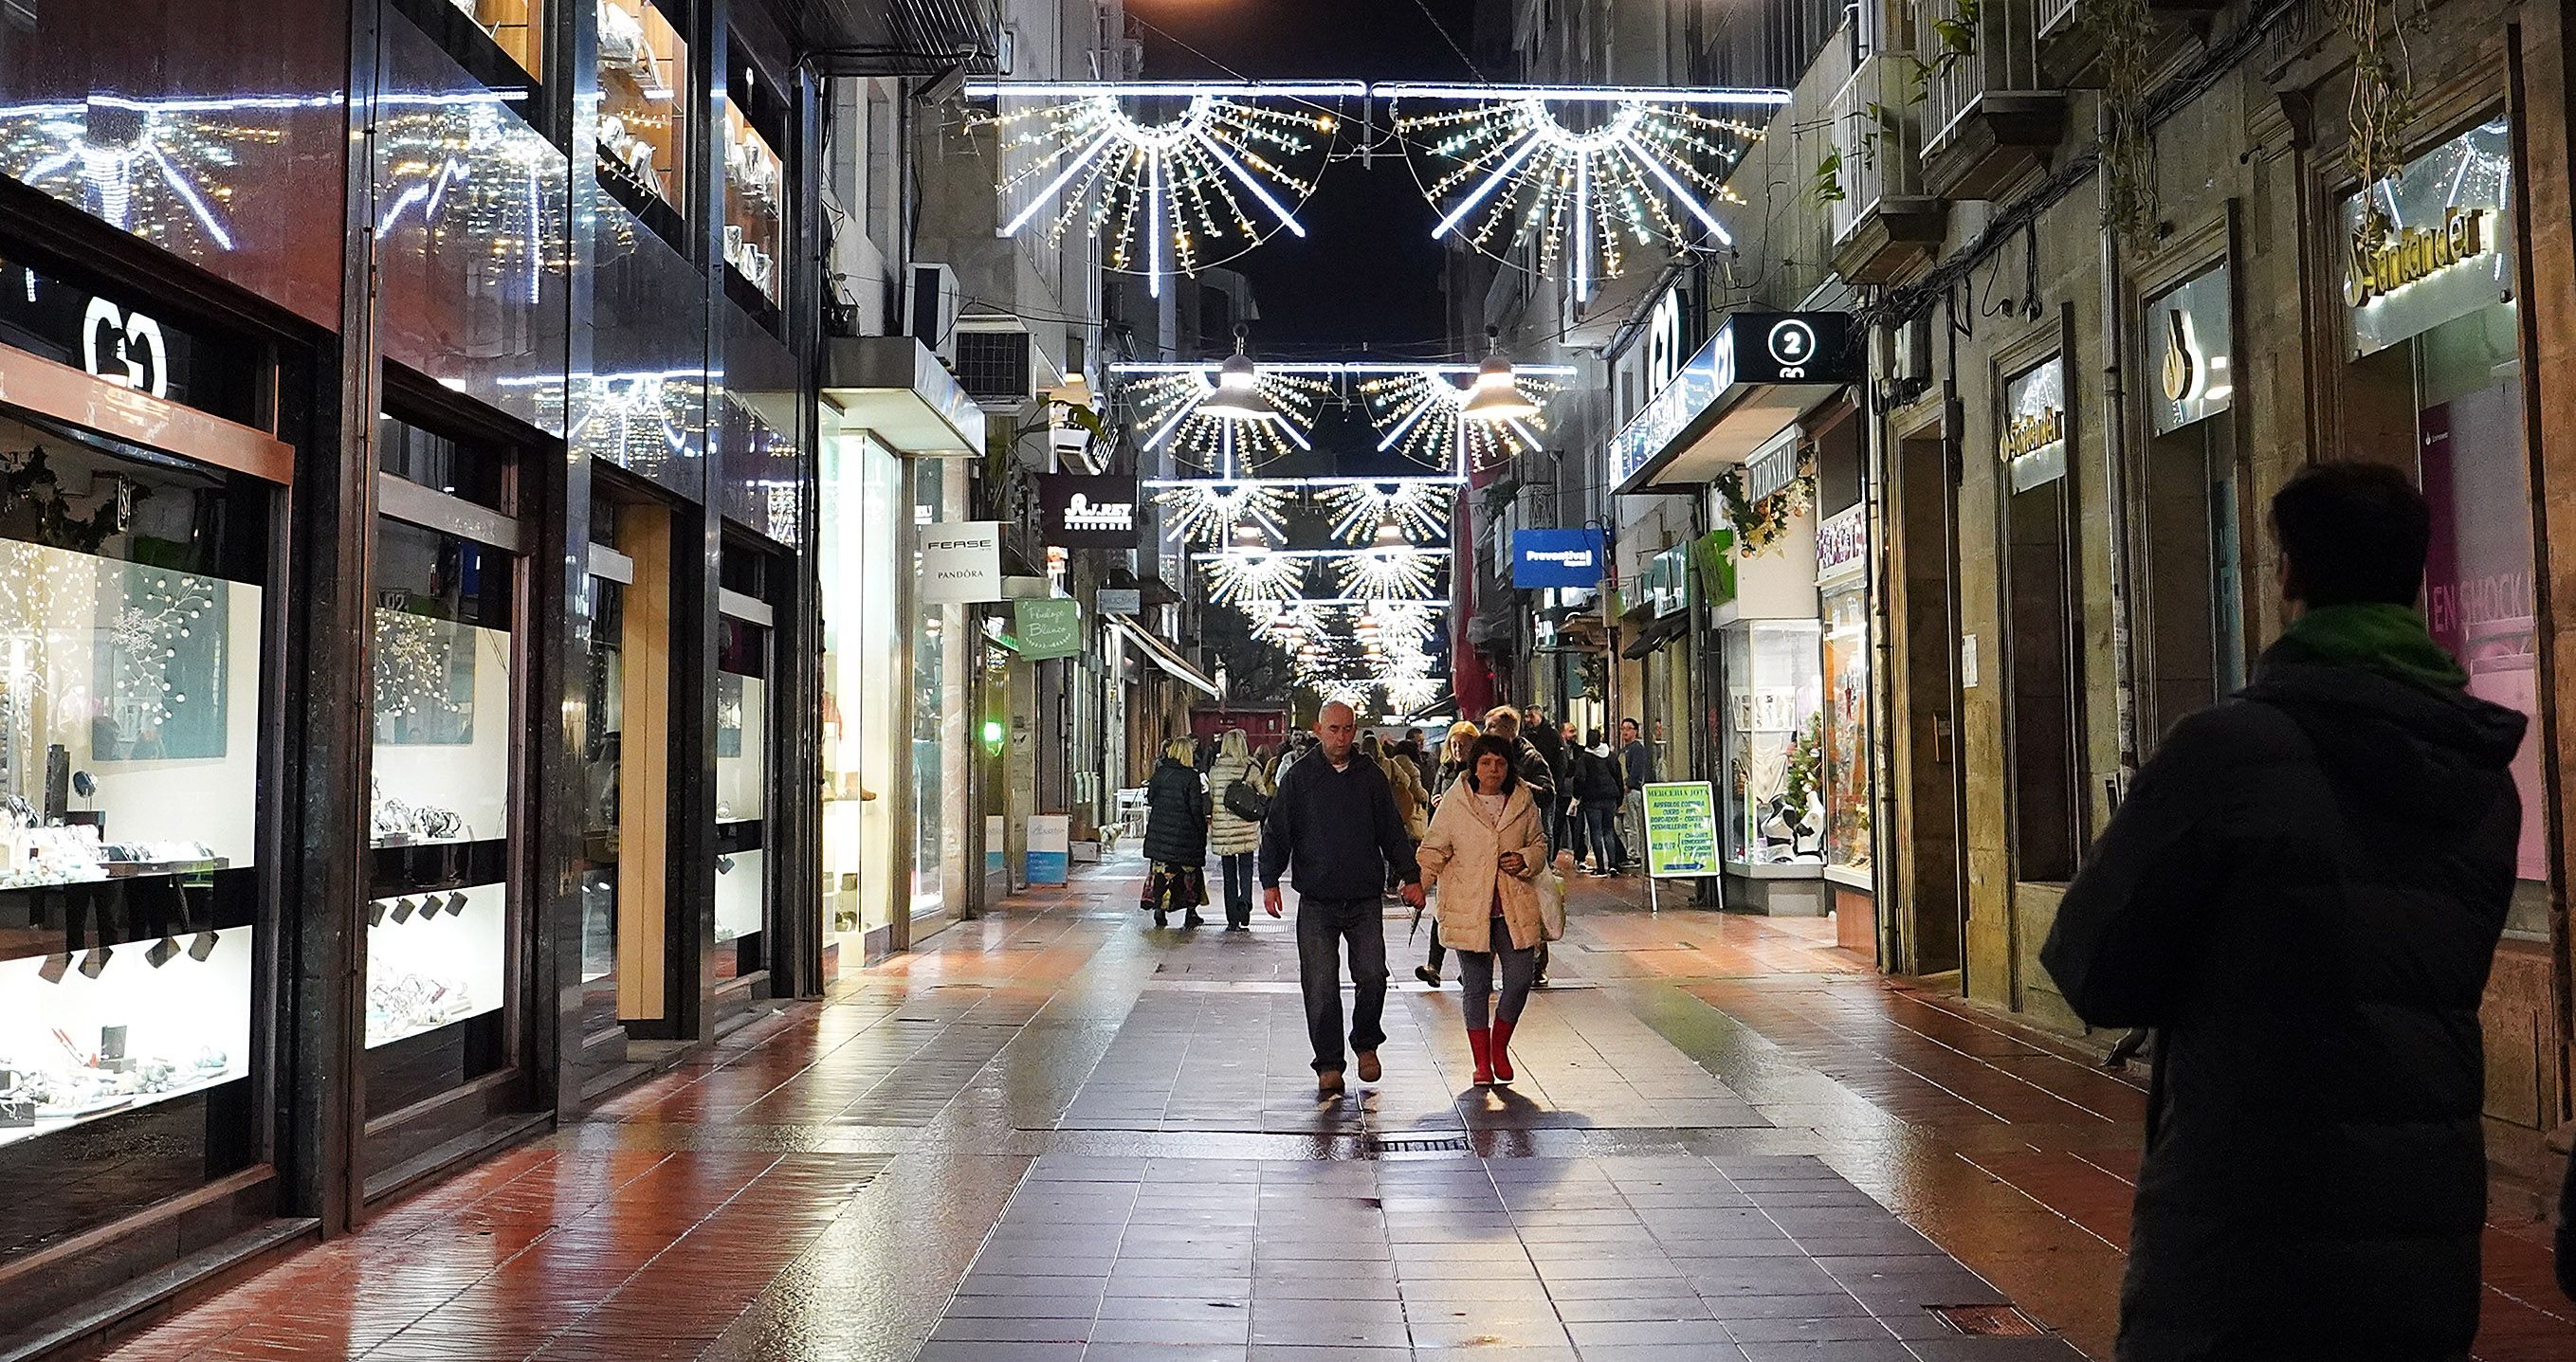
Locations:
{"points": [[930, 306], [996, 365]]}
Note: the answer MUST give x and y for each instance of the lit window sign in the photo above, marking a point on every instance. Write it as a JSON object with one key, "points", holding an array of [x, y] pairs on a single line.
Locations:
{"points": [[2445, 245]]}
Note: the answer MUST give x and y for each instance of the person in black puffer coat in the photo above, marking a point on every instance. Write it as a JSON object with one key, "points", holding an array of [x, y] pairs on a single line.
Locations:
{"points": [[2302, 894], [1176, 833]]}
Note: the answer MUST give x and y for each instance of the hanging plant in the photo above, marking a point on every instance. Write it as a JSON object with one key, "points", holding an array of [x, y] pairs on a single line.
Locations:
{"points": [[1759, 524], [2383, 102], [2126, 32]]}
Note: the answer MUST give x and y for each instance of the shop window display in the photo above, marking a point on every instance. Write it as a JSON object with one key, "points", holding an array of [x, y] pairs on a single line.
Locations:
{"points": [[1846, 735], [1774, 739], [130, 687], [515, 28], [438, 910], [755, 228], [643, 101], [742, 783]]}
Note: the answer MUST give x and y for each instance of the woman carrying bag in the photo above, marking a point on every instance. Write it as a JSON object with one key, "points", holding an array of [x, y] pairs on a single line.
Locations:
{"points": [[1487, 847], [1176, 836], [1457, 755], [1234, 835]]}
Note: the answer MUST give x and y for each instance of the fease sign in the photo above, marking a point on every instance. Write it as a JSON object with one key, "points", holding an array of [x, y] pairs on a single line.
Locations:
{"points": [[1088, 512], [961, 562]]}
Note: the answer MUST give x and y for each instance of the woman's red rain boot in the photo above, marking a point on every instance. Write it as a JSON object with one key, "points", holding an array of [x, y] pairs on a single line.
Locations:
{"points": [[1482, 1042], [1502, 1052]]}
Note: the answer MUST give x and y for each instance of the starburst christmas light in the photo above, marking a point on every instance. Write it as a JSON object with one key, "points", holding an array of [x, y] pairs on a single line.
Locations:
{"points": [[1177, 194], [1634, 168], [1206, 513], [1417, 415], [1412, 694], [1420, 510], [1390, 574], [1254, 575], [1167, 407]]}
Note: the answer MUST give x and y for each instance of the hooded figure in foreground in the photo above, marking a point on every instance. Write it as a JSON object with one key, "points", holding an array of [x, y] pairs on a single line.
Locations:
{"points": [[2302, 895]]}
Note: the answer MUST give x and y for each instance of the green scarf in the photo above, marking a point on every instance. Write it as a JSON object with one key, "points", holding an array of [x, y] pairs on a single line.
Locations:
{"points": [[2390, 639]]}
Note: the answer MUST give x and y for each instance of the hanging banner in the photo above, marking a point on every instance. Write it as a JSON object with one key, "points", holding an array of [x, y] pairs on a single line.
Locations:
{"points": [[1681, 829], [961, 562], [1047, 627], [1558, 558], [1079, 512]]}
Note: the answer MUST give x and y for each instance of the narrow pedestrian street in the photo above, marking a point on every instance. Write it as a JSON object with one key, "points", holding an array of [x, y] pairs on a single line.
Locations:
{"points": [[1055, 1133]]}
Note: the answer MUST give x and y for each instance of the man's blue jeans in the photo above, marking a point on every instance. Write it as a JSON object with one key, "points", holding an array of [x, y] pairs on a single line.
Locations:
{"points": [[1324, 926]]}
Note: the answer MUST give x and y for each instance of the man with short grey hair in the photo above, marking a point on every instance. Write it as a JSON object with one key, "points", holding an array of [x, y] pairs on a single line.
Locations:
{"points": [[1334, 829]]}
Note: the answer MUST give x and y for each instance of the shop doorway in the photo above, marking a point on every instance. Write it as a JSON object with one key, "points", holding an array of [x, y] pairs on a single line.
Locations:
{"points": [[626, 778], [1925, 508], [741, 956], [2194, 587]]}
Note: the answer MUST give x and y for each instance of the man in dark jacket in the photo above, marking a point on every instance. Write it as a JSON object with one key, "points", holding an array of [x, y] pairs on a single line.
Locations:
{"points": [[2302, 894], [1532, 765], [1333, 827], [1636, 772]]}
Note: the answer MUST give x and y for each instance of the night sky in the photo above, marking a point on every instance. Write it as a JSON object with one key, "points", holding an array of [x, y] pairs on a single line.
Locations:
{"points": [[1367, 273]]}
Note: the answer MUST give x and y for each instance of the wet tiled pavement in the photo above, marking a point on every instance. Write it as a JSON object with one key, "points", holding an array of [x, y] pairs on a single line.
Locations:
{"points": [[1053, 1135]]}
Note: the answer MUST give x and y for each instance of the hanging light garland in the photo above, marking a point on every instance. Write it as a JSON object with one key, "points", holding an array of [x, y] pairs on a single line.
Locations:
{"points": [[1169, 196], [1169, 404], [1642, 169]]}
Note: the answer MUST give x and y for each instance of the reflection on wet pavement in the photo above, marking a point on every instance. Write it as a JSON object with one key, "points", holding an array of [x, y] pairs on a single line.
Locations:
{"points": [[1056, 1134]]}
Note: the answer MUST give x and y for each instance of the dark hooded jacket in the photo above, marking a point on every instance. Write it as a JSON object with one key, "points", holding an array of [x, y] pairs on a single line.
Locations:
{"points": [[2302, 894], [1176, 819]]}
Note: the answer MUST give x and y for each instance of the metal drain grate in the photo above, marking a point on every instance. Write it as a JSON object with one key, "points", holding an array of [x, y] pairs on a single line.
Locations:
{"points": [[1988, 1321], [1456, 1144]]}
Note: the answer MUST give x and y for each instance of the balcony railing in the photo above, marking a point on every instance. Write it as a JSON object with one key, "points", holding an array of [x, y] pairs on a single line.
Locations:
{"points": [[1996, 48], [2055, 15], [1876, 138]]}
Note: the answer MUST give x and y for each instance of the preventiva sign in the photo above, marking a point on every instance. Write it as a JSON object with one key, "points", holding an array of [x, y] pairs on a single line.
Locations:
{"points": [[1088, 512], [1558, 558]]}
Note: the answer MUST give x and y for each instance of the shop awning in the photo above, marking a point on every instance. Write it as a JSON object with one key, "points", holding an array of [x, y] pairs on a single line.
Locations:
{"points": [[1656, 635], [1164, 655], [1754, 379], [896, 390]]}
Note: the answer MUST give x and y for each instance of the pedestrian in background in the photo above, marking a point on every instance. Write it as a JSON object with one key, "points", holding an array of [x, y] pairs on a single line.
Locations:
{"points": [[1176, 836], [2302, 894], [1486, 845], [1637, 771], [1597, 786], [1457, 759], [1233, 838], [1333, 830], [1412, 802]]}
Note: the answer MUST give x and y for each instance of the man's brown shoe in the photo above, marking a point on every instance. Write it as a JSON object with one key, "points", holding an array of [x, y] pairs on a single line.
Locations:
{"points": [[1369, 1067], [1328, 1081]]}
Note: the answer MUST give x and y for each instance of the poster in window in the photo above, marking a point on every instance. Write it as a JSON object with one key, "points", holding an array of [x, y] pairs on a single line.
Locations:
{"points": [[157, 665]]}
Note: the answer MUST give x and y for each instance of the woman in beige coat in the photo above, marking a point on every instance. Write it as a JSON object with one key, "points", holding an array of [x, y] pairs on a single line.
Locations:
{"points": [[1487, 843]]}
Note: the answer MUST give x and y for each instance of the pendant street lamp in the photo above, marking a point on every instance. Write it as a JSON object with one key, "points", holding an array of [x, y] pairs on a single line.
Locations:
{"points": [[1238, 395], [1497, 395]]}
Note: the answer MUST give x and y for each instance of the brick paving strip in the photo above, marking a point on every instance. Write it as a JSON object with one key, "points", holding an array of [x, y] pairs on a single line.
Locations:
{"points": [[1055, 1135]]}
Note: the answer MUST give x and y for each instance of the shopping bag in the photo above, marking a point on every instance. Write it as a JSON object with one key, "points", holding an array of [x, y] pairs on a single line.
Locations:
{"points": [[1550, 884]]}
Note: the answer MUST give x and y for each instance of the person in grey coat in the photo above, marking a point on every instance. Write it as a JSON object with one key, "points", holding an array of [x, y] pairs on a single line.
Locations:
{"points": [[2302, 894]]}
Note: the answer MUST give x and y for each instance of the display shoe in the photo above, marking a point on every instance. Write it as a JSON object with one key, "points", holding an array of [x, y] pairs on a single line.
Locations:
{"points": [[1481, 1041], [1427, 974], [1370, 1069], [1328, 1081], [1502, 1051]]}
